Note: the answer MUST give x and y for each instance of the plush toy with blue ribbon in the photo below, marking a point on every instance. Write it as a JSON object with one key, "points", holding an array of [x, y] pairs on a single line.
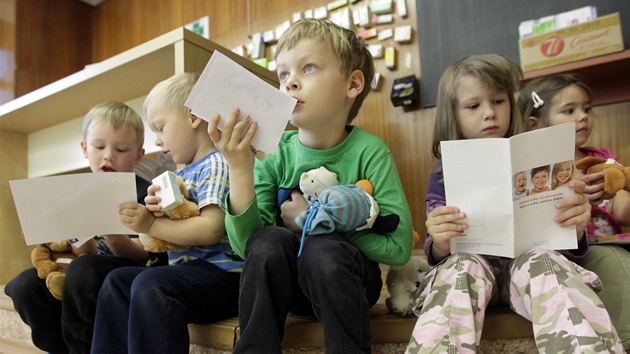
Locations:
{"points": [[341, 208]]}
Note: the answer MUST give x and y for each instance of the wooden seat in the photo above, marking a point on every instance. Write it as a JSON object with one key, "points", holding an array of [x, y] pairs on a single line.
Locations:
{"points": [[387, 327]]}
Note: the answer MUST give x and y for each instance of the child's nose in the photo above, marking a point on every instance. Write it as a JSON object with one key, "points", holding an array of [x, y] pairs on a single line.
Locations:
{"points": [[109, 155], [291, 84], [488, 113]]}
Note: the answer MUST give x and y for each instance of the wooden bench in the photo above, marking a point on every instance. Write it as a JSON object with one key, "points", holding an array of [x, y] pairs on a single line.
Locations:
{"points": [[305, 332], [301, 332]]}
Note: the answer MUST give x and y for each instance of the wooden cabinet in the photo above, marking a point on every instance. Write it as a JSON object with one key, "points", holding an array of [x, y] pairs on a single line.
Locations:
{"points": [[607, 75], [51, 116]]}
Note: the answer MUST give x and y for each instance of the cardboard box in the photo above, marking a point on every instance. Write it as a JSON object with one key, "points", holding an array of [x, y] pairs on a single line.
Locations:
{"points": [[585, 40]]}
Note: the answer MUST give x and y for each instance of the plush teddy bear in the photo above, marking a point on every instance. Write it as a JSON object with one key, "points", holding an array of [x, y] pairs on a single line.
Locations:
{"points": [[616, 176], [51, 261], [186, 210]]}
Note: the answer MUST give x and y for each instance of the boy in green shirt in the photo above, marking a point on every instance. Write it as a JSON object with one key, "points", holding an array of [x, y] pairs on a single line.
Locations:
{"points": [[337, 277]]}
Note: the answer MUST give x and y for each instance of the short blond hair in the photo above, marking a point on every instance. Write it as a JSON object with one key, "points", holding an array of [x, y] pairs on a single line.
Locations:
{"points": [[352, 51], [118, 115], [172, 92]]}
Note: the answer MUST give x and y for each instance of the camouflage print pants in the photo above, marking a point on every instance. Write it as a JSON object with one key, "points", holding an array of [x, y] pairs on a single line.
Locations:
{"points": [[541, 285]]}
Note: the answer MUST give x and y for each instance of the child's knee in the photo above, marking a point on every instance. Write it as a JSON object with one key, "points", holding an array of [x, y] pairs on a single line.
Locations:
{"points": [[270, 242]]}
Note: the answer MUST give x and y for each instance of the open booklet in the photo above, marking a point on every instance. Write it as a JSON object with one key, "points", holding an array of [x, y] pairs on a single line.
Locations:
{"points": [[508, 187]]}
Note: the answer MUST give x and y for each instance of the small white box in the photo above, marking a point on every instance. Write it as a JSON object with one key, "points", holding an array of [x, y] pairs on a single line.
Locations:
{"points": [[169, 192], [402, 34], [401, 7]]}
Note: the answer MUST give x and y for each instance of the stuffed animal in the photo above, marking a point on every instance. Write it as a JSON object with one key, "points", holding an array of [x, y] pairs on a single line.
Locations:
{"points": [[336, 207], [402, 283], [616, 176], [321, 185], [313, 182], [186, 210], [51, 261]]}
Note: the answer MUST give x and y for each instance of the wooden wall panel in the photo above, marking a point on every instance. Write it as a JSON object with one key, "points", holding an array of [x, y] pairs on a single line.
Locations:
{"points": [[7, 50], [56, 44], [612, 130]]}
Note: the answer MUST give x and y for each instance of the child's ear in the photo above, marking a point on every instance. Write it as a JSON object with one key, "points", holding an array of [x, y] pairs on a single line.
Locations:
{"points": [[357, 83], [140, 155], [84, 148], [194, 120], [532, 122]]}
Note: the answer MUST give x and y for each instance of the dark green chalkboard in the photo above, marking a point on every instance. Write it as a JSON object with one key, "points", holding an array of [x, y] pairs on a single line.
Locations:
{"points": [[451, 29]]}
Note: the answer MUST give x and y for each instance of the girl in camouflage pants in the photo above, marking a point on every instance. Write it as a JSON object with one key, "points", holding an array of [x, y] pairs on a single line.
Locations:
{"points": [[476, 100]]}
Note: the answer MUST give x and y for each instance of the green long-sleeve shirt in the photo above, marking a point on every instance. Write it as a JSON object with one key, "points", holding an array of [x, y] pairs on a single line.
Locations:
{"points": [[361, 156]]}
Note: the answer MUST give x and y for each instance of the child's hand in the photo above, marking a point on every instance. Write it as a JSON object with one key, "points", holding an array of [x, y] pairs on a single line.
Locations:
{"points": [[152, 201], [441, 225], [234, 141], [593, 191], [578, 211], [291, 209], [136, 217]]}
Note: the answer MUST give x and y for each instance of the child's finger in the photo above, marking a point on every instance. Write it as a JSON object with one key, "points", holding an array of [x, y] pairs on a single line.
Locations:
{"points": [[249, 135], [152, 189], [231, 121], [592, 177], [239, 129], [213, 128]]}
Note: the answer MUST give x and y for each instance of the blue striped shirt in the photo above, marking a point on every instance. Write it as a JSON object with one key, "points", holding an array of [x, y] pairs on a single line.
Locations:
{"points": [[208, 183]]}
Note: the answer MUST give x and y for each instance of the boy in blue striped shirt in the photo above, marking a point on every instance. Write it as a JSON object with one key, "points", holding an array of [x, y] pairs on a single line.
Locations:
{"points": [[140, 310]]}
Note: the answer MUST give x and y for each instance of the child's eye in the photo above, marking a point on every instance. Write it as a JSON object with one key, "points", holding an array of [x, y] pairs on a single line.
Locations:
{"points": [[283, 76], [499, 101], [569, 111], [588, 110], [473, 106], [308, 68]]}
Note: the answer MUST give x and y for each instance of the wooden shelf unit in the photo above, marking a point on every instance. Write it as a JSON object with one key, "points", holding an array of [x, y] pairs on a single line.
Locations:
{"points": [[607, 75], [122, 77], [50, 117]]}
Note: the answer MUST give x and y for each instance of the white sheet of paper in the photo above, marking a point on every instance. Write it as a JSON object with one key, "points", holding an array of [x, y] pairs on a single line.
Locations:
{"points": [[72, 206], [225, 85], [478, 179]]}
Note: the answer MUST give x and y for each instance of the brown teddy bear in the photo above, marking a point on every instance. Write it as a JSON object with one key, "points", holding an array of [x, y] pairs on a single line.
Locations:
{"points": [[51, 261], [616, 177], [186, 210]]}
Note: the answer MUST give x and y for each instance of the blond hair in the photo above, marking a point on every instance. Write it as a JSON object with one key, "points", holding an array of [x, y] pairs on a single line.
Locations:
{"points": [[118, 115], [556, 171], [172, 92], [352, 51], [493, 71]]}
